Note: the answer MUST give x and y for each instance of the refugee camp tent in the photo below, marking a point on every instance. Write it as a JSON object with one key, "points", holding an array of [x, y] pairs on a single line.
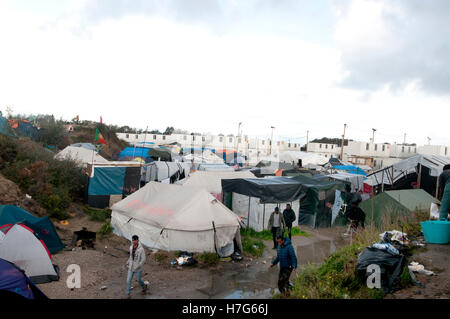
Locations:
{"points": [[215, 167], [269, 168], [14, 280], [175, 217], [211, 180], [404, 174], [203, 157], [10, 215], [160, 171], [396, 204], [80, 155], [130, 153], [356, 181], [305, 157], [254, 199], [88, 146], [110, 182], [352, 169], [161, 154], [313, 211], [23, 247]]}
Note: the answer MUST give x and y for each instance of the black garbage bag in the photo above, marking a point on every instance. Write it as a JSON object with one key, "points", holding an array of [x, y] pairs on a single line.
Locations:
{"points": [[391, 266]]}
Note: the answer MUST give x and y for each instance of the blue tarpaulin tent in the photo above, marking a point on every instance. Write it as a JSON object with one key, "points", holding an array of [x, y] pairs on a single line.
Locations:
{"points": [[10, 214], [350, 169]]}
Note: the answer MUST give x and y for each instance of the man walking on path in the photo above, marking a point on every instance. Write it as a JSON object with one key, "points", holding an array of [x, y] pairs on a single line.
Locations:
{"points": [[444, 192], [288, 263], [276, 225], [289, 218], [135, 263]]}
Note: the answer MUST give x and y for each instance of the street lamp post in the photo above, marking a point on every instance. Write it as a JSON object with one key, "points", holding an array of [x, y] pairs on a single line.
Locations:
{"points": [[271, 139]]}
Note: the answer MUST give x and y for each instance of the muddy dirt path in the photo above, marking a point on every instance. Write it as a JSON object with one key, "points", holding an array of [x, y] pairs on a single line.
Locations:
{"points": [[103, 274]]}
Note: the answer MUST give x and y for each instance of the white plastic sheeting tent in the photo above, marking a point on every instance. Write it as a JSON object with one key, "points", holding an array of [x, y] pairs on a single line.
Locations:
{"points": [[393, 173], [159, 171], [307, 158], [81, 155], [244, 206], [211, 181], [204, 157], [215, 167], [21, 247], [175, 217], [357, 181]]}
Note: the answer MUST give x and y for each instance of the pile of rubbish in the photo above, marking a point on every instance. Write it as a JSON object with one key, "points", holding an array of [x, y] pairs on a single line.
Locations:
{"points": [[184, 259], [389, 254]]}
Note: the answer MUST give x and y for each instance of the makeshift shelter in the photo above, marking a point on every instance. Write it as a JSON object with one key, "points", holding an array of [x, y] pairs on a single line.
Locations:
{"points": [[130, 153], [211, 180], [162, 171], [215, 167], [14, 281], [305, 158], [356, 182], [81, 155], [352, 169], [313, 211], [396, 205], [420, 171], [206, 156], [10, 215], [268, 168], [23, 247], [161, 154], [111, 182], [88, 146], [254, 199], [174, 217]]}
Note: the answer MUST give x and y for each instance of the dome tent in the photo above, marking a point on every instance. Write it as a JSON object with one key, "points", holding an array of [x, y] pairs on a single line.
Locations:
{"points": [[14, 282], [22, 246], [173, 217]]}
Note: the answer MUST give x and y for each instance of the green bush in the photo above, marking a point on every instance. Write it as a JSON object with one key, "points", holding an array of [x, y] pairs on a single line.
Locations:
{"points": [[106, 229], [99, 215]]}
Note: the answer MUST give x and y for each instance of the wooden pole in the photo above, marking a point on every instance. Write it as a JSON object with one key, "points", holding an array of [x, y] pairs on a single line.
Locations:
{"points": [[419, 177], [264, 215], [437, 187], [307, 140], [382, 181], [248, 214]]}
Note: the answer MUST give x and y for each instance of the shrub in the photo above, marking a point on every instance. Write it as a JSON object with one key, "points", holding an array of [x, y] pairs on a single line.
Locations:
{"points": [[106, 229], [100, 215]]}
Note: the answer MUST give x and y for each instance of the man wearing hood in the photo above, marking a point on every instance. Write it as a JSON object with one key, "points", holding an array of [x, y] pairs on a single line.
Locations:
{"points": [[288, 263], [135, 263]]}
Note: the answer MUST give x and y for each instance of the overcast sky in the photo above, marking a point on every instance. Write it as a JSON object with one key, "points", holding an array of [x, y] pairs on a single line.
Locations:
{"points": [[205, 65]]}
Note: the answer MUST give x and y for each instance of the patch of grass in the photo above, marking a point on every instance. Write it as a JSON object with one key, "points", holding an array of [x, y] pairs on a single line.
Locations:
{"points": [[105, 230], [100, 215], [208, 259], [161, 257], [267, 234], [253, 246], [405, 278]]}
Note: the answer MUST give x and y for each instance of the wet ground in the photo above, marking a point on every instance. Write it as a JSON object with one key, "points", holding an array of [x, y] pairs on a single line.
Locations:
{"points": [[104, 275]]}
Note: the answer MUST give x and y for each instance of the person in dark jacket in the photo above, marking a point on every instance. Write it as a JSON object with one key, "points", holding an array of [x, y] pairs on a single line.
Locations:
{"points": [[356, 215], [288, 263], [289, 218], [276, 225], [444, 193]]}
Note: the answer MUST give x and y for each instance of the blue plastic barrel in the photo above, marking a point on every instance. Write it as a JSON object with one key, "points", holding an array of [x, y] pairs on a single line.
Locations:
{"points": [[436, 231]]}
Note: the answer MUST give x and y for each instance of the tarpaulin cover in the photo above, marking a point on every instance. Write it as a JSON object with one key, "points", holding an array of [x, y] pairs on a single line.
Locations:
{"points": [[162, 154], [13, 279], [107, 181], [391, 266], [10, 214], [135, 152], [270, 190], [350, 169], [132, 180]]}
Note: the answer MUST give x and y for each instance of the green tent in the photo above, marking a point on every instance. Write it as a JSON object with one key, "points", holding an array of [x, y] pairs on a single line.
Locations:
{"points": [[313, 211], [397, 203], [163, 154], [43, 227]]}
